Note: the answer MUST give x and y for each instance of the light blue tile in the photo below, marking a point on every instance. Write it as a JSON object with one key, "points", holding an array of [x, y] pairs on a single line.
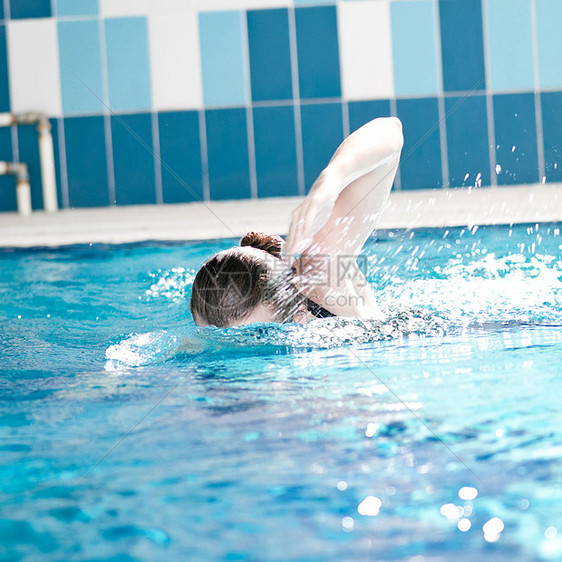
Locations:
{"points": [[80, 66], [413, 44], [222, 58], [511, 44], [77, 7], [128, 65], [549, 25]]}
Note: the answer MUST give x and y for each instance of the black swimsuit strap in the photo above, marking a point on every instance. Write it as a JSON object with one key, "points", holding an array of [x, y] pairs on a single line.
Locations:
{"points": [[317, 310]]}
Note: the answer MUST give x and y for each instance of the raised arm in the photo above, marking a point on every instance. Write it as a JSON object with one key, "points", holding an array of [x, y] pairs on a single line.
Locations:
{"points": [[340, 212]]}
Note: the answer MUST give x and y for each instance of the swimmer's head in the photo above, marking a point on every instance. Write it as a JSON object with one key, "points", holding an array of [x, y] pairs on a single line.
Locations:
{"points": [[245, 284]]}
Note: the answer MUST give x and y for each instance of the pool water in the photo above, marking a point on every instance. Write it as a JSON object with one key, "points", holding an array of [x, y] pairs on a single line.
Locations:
{"points": [[129, 434]]}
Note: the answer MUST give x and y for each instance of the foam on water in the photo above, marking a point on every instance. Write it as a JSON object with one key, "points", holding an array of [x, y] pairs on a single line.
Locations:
{"points": [[491, 291]]}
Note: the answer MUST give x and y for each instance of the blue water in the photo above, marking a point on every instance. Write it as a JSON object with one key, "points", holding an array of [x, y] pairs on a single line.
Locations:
{"points": [[129, 434]]}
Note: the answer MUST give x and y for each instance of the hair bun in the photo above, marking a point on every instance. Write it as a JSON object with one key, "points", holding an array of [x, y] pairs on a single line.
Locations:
{"points": [[271, 243]]}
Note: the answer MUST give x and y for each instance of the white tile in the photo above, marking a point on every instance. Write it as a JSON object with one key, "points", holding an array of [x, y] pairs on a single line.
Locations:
{"points": [[175, 61], [124, 8], [366, 50], [33, 60]]}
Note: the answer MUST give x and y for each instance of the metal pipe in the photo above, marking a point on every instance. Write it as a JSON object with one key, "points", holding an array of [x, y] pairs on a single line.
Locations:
{"points": [[46, 153], [47, 157], [23, 189]]}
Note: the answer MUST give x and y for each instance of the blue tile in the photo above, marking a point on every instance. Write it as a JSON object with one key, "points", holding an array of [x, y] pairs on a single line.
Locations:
{"points": [[222, 58], [549, 38], [462, 45], [86, 169], [551, 103], [133, 159], [20, 9], [128, 64], [80, 67], [322, 133], [361, 112], [227, 152], [276, 152], [318, 52], [420, 166], [180, 155], [510, 39], [413, 48], [77, 7], [270, 59], [7, 183], [516, 138], [56, 155], [467, 140], [4, 76]]}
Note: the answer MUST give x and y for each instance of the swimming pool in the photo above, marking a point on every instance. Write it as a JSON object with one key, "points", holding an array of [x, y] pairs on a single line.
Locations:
{"points": [[127, 433]]}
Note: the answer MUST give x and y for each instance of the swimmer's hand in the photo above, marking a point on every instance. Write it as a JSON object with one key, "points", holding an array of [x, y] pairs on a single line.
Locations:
{"points": [[311, 215]]}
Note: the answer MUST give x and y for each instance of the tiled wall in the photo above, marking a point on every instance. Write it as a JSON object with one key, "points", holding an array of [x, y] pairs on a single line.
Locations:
{"points": [[169, 101]]}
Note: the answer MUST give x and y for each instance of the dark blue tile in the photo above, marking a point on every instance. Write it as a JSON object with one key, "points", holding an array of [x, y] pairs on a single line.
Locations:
{"points": [[420, 166], [20, 9], [551, 103], [322, 133], [133, 159], [361, 112], [4, 77], [318, 52], [56, 156], [227, 152], [7, 183], [270, 59], [516, 138], [276, 153], [86, 169], [180, 154], [462, 45], [467, 141]]}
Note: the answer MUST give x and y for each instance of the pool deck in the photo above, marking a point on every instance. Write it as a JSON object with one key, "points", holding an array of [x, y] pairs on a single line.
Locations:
{"points": [[539, 203]]}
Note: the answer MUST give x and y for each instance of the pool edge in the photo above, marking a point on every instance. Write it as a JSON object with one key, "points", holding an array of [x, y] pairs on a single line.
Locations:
{"points": [[535, 203]]}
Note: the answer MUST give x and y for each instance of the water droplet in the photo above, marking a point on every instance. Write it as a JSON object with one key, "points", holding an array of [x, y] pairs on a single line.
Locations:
{"points": [[513, 148], [347, 523], [342, 485], [498, 169], [464, 525], [550, 532], [466, 176]]}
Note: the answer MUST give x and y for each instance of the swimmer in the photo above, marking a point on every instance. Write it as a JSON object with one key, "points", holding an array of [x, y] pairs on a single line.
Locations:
{"points": [[315, 273]]}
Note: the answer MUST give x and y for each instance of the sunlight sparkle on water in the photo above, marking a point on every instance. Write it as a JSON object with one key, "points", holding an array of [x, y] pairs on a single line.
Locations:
{"points": [[468, 493], [370, 506], [492, 529]]}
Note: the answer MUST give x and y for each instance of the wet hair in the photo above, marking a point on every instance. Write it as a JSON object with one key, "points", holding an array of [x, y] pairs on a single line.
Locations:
{"points": [[232, 283]]}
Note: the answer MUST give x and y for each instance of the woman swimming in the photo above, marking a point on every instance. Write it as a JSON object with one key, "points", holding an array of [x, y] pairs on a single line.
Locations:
{"points": [[316, 272]]}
